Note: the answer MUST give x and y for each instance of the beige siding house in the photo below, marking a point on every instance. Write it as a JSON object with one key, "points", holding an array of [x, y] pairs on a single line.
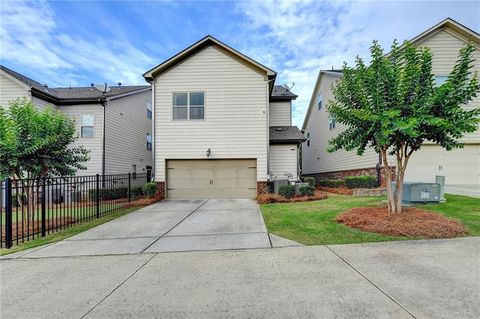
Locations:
{"points": [[461, 167], [211, 123], [116, 125]]}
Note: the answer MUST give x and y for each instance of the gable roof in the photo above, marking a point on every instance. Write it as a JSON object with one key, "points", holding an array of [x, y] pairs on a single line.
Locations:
{"points": [[69, 95], [198, 46]]}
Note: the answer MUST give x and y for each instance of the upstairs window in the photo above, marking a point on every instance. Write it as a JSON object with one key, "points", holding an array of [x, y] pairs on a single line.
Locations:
{"points": [[189, 106], [308, 139], [86, 125], [319, 101], [149, 141], [331, 122], [149, 110]]}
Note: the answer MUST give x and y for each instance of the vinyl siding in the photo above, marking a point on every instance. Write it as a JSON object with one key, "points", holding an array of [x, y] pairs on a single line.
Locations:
{"points": [[126, 127], [95, 144], [280, 114], [11, 89], [284, 161], [42, 104], [235, 124]]}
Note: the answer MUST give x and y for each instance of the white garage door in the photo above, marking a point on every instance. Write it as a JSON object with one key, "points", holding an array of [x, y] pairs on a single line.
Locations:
{"points": [[191, 179], [459, 166]]}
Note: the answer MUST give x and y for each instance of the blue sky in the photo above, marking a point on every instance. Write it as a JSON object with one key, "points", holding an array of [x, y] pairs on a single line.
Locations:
{"points": [[64, 43]]}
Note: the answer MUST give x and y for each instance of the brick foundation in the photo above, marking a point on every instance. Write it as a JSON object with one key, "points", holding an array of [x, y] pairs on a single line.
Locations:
{"points": [[160, 194], [352, 172], [262, 188]]}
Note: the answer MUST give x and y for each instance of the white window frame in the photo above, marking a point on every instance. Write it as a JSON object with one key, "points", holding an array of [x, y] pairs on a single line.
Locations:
{"points": [[188, 106], [149, 110], [331, 122], [82, 126], [319, 101], [149, 141]]}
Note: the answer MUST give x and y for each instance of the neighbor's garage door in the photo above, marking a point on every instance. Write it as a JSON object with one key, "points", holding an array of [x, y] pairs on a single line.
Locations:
{"points": [[459, 166], [211, 179]]}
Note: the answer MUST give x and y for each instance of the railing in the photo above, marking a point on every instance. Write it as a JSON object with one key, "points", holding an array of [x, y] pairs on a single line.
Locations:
{"points": [[33, 208]]}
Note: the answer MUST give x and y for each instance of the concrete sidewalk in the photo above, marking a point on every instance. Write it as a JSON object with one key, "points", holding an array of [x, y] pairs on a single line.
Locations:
{"points": [[407, 279]]}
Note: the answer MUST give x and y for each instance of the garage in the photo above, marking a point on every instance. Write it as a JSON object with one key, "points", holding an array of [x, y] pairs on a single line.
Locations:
{"points": [[459, 166], [215, 178]]}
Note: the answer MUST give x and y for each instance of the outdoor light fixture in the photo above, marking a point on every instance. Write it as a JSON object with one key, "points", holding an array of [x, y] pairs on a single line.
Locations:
{"points": [[208, 152]]}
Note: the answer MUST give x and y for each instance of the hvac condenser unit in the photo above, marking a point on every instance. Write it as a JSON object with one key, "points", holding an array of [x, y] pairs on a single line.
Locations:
{"points": [[419, 192], [279, 182]]}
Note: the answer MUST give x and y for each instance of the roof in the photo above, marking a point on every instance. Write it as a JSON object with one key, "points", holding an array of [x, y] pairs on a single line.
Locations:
{"points": [[72, 94], [285, 135], [198, 46], [282, 93]]}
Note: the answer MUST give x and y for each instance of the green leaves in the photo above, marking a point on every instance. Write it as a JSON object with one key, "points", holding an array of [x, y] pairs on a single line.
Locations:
{"points": [[37, 143]]}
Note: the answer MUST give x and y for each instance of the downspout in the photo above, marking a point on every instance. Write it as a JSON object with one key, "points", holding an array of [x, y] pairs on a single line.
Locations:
{"points": [[153, 130], [103, 102]]}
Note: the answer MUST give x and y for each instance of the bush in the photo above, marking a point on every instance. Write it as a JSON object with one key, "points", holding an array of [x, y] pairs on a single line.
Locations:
{"points": [[310, 180], [366, 181], [287, 191], [150, 189], [105, 194], [306, 190], [136, 191], [333, 183]]}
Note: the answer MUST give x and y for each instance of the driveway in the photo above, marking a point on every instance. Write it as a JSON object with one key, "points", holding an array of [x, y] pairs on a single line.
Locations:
{"points": [[407, 279], [167, 226]]}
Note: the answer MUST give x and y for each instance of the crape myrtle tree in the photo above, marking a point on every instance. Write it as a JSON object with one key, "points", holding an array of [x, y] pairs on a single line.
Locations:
{"points": [[36, 144], [394, 106]]}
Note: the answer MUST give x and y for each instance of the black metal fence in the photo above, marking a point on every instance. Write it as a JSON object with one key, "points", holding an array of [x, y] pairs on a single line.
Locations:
{"points": [[33, 208]]}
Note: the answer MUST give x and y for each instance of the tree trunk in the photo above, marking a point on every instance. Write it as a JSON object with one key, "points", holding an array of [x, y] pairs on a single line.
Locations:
{"points": [[388, 177]]}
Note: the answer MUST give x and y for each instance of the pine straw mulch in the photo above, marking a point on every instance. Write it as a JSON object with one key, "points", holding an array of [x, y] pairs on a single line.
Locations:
{"points": [[275, 198], [411, 222], [337, 190]]}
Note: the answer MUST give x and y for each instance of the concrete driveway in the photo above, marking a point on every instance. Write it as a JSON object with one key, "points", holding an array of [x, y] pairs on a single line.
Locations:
{"points": [[408, 279], [171, 225]]}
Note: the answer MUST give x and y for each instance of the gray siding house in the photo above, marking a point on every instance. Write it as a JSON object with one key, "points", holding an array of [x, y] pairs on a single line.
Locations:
{"points": [[116, 125]]}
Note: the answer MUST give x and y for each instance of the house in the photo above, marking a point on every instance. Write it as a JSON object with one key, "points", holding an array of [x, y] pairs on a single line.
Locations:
{"points": [[114, 123], [460, 166], [222, 129]]}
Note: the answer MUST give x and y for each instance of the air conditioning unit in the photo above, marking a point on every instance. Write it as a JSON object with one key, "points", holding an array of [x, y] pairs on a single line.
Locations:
{"points": [[420, 192], [277, 183]]}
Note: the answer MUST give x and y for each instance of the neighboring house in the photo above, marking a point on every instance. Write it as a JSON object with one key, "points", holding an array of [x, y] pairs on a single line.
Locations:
{"points": [[460, 166], [116, 126], [222, 129]]}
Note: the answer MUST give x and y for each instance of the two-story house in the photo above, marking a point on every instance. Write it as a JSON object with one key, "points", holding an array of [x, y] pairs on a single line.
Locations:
{"points": [[114, 123], [459, 166], [222, 129]]}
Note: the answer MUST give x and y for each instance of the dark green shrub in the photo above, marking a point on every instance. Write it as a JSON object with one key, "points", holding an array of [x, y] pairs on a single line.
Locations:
{"points": [[310, 180], [287, 191], [109, 193], [306, 190], [333, 183], [150, 189], [136, 191], [366, 181]]}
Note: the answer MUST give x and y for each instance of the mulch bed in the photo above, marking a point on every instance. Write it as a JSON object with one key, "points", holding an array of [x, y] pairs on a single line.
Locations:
{"points": [[411, 222], [275, 198], [337, 190], [35, 226]]}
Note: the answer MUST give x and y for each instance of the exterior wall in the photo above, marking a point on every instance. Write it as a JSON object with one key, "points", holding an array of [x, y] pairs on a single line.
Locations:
{"points": [[235, 123], [280, 113], [352, 172], [42, 104], [445, 45], [11, 89], [284, 161], [126, 127], [95, 144]]}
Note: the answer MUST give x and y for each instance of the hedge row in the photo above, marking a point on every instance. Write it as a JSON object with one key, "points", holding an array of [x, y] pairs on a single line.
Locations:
{"points": [[333, 183], [149, 189], [366, 181]]}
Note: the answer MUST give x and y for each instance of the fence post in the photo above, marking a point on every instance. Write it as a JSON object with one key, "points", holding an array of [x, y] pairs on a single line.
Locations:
{"points": [[129, 181], [97, 195], [44, 210], [8, 211]]}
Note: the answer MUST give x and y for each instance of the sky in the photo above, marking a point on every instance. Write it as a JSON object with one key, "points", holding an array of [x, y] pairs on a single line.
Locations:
{"points": [[63, 43]]}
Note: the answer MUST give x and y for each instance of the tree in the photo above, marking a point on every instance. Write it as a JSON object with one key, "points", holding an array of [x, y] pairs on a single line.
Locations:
{"points": [[36, 144], [394, 106]]}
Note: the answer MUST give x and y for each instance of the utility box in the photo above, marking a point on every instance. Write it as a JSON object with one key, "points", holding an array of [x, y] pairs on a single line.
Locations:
{"points": [[420, 192]]}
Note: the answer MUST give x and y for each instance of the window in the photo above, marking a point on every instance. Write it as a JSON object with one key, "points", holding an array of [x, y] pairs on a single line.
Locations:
{"points": [[308, 139], [134, 171], [189, 106], [149, 141], [86, 126], [149, 110], [440, 79], [331, 122], [319, 101]]}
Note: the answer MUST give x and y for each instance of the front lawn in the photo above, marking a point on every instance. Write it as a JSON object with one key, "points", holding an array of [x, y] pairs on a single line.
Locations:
{"points": [[313, 223]]}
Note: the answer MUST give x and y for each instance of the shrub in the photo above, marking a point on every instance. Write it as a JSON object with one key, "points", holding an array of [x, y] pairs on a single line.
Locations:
{"points": [[333, 183], [115, 193], [287, 191], [310, 180], [150, 189], [306, 190], [366, 181], [136, 191]]}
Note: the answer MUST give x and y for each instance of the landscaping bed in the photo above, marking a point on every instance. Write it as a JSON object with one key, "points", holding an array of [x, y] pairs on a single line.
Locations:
{"points": [[412, 222], [276, 198], [337, 190]]}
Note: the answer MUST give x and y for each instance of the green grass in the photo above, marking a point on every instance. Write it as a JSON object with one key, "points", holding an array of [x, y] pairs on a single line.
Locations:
{"points": [[57, 236], [313, 223]]}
